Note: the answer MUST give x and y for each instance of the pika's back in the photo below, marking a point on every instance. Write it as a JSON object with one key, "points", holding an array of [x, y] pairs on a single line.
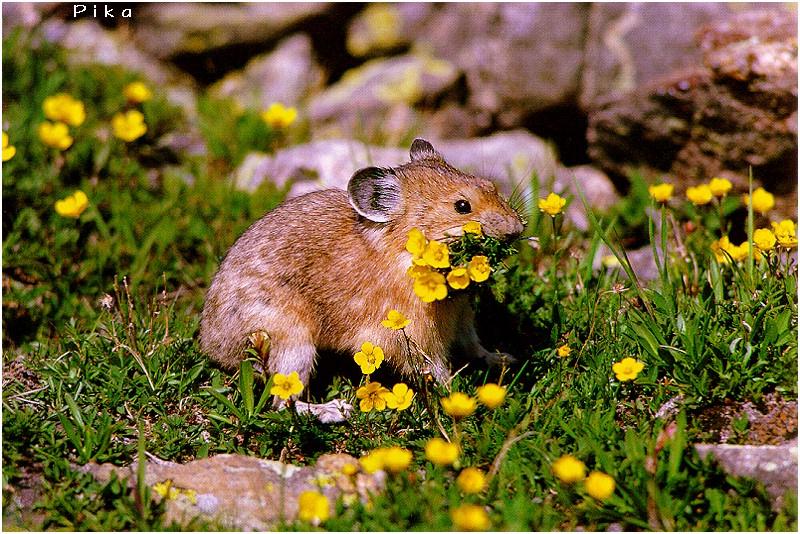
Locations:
{"points": [[285, 240]]}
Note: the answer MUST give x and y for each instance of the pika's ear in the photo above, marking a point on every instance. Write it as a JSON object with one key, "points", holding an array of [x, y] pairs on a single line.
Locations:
{"points": [[376, 194], [421, 149]]}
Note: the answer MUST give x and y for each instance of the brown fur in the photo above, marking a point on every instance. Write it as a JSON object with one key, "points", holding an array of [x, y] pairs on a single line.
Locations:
{"points": [[315, 275]]}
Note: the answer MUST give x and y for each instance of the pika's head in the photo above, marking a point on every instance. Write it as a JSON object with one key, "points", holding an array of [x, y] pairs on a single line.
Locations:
{"points": [[431, 195]]}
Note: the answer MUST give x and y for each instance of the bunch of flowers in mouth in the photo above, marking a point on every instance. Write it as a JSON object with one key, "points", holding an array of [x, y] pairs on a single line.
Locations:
{"points": [[438, 268]]}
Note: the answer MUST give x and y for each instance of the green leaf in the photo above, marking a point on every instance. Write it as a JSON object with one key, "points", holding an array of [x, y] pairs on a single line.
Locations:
{"points": [[246, 386]]}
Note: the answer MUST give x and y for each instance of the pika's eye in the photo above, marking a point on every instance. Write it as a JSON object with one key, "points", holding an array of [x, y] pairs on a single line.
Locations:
{"points": [[462, 206]]}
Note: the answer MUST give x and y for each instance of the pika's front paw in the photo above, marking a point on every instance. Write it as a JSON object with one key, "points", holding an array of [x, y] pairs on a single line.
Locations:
{"points": [[334, 411]]}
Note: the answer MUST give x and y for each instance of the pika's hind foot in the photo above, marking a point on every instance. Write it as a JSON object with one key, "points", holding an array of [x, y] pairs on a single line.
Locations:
{"points": [[261, 343]]}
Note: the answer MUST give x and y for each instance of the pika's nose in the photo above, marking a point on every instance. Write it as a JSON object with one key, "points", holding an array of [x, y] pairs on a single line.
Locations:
{"points": [[517, 227], [504, 226]]}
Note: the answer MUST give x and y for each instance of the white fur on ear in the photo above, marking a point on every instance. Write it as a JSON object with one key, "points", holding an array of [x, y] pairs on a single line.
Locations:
{"points": [[375, 194], [421, 149]]}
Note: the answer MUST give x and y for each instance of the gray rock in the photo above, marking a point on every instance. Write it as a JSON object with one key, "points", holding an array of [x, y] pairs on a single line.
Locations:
{"points": [[515, 58], [773, 465], [596, 186], [377, 98], [24, 15], [316, 165], [518, 58], [642, 262], [510, 158], [246, 493], [166, 29], [736, 110], [631, 44], [289, 74]]}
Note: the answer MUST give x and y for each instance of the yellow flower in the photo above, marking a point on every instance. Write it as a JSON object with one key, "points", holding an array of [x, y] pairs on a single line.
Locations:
{"points": [[437, 255], [569, 469], [373, 397], [415, 271], [441, 452], [764, 239], [471, 480], [719, 186], [396, 459], [395, 320], [166, 490], [552, 205], [400, 398], [430, 286], [285, 386], [763, 201], [62, 107], [369, 357], [609, 261], [599, 485], [128, 126], [661, 192], [73, 205], [137, 92], [349, 470], [785, 233], [416, 242], [479, 269], [627, 369], [721, 246], [699, 195], [191, 495], [373, 461], [55, 135], [279, 116], [473, 227], [313, 506], [458, 278], [491, 395], [470, 517], [458, 405], [739, 253], [8, 150], [563, 351]]}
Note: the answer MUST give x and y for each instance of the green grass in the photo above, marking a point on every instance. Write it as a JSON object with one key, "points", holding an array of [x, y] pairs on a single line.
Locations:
{"points": [[101, 314]]}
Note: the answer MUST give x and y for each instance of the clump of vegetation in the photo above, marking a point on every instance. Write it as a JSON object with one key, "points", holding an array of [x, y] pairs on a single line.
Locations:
{"points": [[110, 238]]}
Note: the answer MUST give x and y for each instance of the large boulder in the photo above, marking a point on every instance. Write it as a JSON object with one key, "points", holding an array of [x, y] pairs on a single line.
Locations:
{"points": [[735, 111], [509, 158], [289, 74], [245, 493], [378, 98], [166, 30], [515, 58], [775, 466], [630, 44]]}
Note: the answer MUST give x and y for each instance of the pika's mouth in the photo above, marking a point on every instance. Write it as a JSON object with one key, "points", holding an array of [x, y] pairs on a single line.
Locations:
{"points": [[457, 231]]}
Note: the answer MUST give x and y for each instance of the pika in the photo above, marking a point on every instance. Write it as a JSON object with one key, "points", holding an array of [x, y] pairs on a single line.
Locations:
{"points": [[320, 272]]}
